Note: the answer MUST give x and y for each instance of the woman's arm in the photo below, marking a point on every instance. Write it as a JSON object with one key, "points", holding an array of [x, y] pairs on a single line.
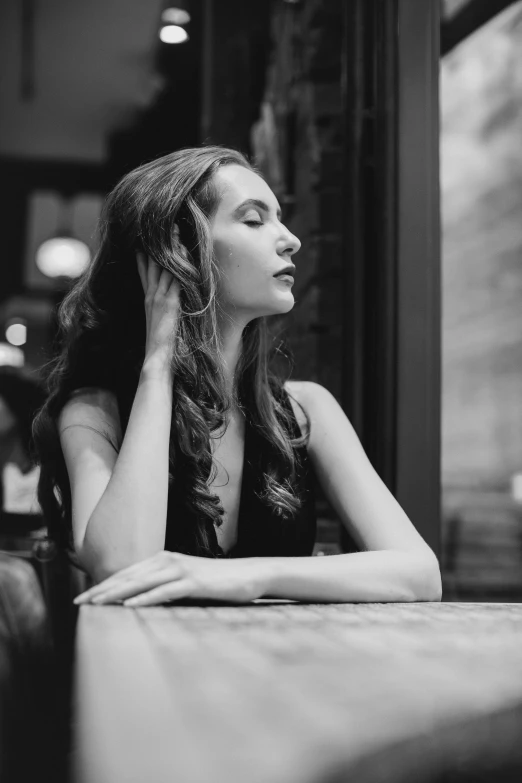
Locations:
{"points": [[394, 559], [119, 500], [375, 577]]}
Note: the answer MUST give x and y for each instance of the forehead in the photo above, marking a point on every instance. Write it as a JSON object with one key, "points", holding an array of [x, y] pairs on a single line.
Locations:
{"points": [[236, 184]]}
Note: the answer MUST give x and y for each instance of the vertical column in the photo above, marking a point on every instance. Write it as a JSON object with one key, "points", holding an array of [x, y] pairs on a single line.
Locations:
{"points": [[418, 268], [391, 360]]}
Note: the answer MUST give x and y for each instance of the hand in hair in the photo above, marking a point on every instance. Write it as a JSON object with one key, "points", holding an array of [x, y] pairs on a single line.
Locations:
{"points": [[171, 576], [162, 305]]}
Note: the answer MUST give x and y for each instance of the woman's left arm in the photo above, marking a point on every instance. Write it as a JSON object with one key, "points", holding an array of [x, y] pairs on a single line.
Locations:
{"points": [[394, 564]]}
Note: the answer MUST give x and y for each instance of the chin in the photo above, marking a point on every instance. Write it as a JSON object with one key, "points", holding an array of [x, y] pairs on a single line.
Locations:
{"points": [[282, 306], [278, 306]]}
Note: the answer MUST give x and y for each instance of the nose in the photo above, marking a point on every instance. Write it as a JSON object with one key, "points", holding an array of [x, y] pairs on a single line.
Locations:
{"points": [[290, 244]]}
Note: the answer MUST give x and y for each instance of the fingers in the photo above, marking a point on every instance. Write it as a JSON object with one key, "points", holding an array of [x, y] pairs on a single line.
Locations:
{"points": [[159, 595], [153, 277], [158, 565], [165, 281], [148, 271], [141, 261], [174, 285], [116, 579], [135, 587]]}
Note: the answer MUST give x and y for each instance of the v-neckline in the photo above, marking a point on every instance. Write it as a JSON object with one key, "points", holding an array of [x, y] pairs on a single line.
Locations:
{"points": [[242, 491]]}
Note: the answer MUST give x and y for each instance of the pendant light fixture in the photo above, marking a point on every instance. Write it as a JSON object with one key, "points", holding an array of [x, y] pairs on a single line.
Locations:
{"points": [[63, 255], [173, 19]]}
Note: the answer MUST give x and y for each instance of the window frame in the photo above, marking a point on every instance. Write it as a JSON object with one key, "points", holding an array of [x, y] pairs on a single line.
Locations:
{"points": [[392, 320]]}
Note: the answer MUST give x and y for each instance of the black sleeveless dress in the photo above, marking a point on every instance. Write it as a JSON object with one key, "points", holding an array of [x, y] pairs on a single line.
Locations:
{"points": [[261, 533]]}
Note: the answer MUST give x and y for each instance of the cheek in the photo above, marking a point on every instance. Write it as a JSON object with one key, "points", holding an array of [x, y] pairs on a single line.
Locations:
{"points": [[238, 258], [225, 253]]}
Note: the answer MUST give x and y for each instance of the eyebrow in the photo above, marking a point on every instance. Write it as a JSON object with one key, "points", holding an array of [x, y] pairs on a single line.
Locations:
{"points": [[256, 202]]}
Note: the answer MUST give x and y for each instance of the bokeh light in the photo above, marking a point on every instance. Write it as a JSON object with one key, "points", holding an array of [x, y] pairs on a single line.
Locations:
{"points": [[11, 356], [16, 333], [173, 34], [175, 16], [62, 256]]}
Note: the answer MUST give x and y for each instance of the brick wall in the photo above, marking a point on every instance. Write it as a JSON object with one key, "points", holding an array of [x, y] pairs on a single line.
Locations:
{"points": [[297, 142]]}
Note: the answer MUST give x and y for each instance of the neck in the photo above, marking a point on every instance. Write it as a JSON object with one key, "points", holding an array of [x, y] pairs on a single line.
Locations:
{"points": [[231, 339]]}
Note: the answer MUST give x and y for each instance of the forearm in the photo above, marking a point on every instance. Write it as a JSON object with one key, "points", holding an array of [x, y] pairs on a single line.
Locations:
{"points": [[128, 523], [373, 577]]}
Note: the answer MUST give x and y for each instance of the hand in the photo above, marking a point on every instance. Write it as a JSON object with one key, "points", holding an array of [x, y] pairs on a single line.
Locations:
{"points": [[170, 576], [162, 306]]}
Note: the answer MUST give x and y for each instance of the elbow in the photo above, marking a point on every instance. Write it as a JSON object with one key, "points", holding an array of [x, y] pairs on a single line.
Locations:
{"points": [[426, 584], [103, 559], [101, 566], [102, 571], [95, 567]]}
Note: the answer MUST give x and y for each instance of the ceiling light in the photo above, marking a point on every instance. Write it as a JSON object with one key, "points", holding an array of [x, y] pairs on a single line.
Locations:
{"points": [[62, 257], [175, 16], [16, 332], [173, 34], [10, 356]]}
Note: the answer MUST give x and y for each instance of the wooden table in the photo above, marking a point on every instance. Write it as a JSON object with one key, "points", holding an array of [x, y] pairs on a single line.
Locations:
{"points": [[284, 692]]}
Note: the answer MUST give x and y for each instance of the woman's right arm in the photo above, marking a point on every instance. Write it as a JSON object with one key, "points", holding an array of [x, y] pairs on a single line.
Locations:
{"points": [[119, 500]]}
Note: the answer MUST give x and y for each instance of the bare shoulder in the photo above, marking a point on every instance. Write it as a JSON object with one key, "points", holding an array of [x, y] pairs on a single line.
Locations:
{"points": [[305, 397], [92, 407], [320, 405], [309, 395]]}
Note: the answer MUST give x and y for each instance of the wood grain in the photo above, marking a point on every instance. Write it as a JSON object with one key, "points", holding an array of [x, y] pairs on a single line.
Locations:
{"points": [[283, 692]]}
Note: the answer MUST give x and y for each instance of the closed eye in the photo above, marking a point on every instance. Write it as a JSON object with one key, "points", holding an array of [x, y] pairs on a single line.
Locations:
{"points": [[252, 223]]}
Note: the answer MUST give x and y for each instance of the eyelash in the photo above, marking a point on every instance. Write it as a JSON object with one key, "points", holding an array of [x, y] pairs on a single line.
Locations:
{"points": [[253, 223]]}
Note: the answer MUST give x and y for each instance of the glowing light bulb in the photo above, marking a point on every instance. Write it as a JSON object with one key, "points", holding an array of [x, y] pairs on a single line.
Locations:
{"points": [[10, 356], [62, 256], [173, 34], [175, 16], [16, 334]]}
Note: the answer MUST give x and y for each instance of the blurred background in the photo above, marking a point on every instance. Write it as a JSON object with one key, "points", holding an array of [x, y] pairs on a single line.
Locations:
{"points": [[317, 92], [481, 207]]}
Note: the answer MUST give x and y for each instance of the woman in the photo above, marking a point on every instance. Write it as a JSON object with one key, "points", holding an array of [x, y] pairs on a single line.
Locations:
{"points": [[183, 465]]}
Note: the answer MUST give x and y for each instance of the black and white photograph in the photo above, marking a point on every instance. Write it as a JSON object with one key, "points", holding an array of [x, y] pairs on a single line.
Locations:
{"points": [[261, 391]]}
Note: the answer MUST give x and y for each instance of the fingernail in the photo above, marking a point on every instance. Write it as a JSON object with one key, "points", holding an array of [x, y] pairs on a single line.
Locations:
{"points": [[81, 599]]}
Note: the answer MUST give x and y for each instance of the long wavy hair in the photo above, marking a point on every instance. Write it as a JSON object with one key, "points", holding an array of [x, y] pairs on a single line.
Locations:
{"points": [[101, 343]]}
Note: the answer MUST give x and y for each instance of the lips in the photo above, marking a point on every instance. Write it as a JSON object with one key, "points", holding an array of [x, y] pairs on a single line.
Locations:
{"points": [[287, 271]]}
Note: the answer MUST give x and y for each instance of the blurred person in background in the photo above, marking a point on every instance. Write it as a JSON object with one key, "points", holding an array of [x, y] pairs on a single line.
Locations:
{"points": [[28, 685], [175, 462], [21, 395]]}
